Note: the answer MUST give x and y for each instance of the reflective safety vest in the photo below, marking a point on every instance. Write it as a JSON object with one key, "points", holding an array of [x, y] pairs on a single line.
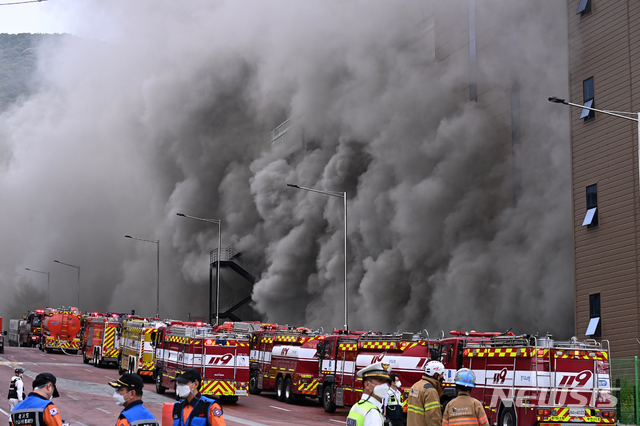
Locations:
{"points": [[394, 407], [13, 390], [29, 411], [139, 416], [359, 411], [199, 416]]}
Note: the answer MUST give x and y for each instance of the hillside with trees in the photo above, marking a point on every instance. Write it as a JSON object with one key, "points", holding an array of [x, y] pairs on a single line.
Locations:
{"points": [[18, 61]]}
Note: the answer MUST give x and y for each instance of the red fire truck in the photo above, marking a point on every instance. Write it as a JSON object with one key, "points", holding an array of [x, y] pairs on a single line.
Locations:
{"points": [[35, 327], [102, 343], [343, 356], [522, 380], [221, 356], [284, 360]]}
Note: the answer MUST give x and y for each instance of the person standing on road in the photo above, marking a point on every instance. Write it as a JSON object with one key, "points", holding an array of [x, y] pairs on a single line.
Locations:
{"points": [[37, 408], [423, 404], [465, 409], [375, 385], [392, 403], [16, 388], [194, 409], [128, 393]]}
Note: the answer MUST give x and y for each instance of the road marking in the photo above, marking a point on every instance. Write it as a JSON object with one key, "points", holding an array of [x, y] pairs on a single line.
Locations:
{"points": [[105, 411], [110, 378], [5, 413], [90, 371], [243, 421], [72, 397], [338, 421], [278, 408], [80, 423]]}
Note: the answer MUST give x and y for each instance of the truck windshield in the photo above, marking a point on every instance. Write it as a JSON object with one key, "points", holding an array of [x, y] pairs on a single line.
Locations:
{"points": [[35, 322]]}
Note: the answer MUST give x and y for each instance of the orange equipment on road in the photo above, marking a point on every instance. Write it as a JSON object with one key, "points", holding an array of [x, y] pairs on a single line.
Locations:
{"points": [[61, 330]]}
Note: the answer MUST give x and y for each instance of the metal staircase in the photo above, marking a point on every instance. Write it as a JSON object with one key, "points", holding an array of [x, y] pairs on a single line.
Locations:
{"points": [[235, 307]]}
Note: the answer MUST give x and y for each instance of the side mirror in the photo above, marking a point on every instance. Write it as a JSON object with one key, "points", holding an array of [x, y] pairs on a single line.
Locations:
{"points": [[320, 350], [4, 333]]}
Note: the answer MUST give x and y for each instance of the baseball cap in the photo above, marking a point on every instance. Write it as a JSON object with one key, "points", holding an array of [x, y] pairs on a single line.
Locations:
{"points": [[128, 380], [44, 378], [187, 375]]}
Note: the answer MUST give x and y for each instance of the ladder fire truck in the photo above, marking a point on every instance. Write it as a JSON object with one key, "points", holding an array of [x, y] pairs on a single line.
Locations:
{"points": [[342, 356], [102, 345], [284, 360], [136, 354], [522, 380], [221, 355]]}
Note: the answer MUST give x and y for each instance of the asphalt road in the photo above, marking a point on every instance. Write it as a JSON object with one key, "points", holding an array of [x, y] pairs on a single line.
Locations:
{"points": [[85, 397]]}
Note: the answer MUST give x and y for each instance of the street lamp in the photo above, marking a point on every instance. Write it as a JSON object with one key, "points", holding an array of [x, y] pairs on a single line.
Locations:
{"points": [[48, 288], [618, 114], [342, 195], [157, 242], [219, 223], [78, 268]]}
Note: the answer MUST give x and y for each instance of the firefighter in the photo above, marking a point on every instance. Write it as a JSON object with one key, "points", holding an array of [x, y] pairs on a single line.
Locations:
{"points": [[194, 409], [423, 404], [128, 393], [16, 388], [464, 409], [37, 408], [375, 385], [393, 403]]}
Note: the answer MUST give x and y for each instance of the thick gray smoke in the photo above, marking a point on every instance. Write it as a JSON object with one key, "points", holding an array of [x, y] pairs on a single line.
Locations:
{"points": [[159, 107]]}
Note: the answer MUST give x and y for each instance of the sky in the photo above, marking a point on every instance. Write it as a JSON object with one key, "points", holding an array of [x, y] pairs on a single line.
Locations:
{"points": [[158, 107], [38, 17]]}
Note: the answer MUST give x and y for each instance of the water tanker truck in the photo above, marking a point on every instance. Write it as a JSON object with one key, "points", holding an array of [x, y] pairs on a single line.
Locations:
{"points": [[61, 330]]}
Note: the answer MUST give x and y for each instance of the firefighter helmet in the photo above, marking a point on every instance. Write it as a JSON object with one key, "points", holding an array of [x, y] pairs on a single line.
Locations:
{"points": [[434, 367], [465, 377], [19, 370]]}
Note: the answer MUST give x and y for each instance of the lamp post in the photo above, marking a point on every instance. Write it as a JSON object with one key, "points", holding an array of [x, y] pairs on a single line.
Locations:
{"points": [[48, 288], [78, 268], [342, 195], [618, 114], [219, 223], [157, 243]]}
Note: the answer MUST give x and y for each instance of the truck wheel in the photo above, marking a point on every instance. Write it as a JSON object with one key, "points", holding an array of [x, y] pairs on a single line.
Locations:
{"points": [[84, 358], [159, 388], [253, 383], [280, 389], [328, 403], [507, 417], [288, 391]]}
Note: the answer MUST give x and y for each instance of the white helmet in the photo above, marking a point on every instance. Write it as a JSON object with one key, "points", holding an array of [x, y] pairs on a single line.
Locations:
{"points": [[434, 367]]}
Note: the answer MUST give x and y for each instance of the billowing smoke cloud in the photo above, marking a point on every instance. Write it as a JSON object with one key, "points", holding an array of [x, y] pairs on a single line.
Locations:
{"points": [[450, 223]]}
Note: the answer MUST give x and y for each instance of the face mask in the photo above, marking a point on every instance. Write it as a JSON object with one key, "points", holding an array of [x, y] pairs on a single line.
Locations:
{"points": [[381, 390], [119, 399], [183, 390], [398, 383]]}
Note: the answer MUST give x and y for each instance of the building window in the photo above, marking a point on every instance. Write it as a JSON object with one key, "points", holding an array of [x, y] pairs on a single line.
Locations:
{"points": [[587, 99], [594, 329], [591, 217], [584, 8]]}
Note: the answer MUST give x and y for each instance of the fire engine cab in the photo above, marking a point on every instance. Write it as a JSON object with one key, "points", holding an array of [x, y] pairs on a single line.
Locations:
{"points": [[136, 354], [524, 380]]}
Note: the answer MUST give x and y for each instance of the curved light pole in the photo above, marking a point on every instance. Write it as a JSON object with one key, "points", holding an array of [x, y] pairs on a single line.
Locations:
{"points": [[219, 223], [618, 114], [78, 268], [157, 242], [48, 288], [342, 195]]}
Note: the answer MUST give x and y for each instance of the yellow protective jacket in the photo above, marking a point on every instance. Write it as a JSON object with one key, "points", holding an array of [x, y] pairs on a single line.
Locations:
{"points": [[423, 404]]}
